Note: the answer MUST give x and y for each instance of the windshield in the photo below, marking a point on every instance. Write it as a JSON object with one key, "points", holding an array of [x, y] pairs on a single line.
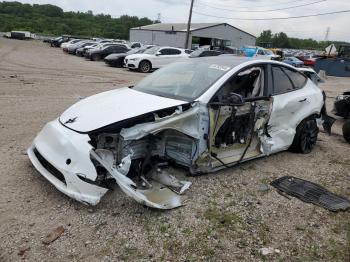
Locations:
{"points": [[268, 52], [197, 52], [182, 80], [136, 51], [152, 50]]}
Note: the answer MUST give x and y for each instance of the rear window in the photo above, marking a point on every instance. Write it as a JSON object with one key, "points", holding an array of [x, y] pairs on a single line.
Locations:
{"points": [[297, 78]]}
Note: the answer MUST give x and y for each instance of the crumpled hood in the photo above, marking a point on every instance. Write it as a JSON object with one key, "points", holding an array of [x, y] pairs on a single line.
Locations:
{"points": [[112, 106]]}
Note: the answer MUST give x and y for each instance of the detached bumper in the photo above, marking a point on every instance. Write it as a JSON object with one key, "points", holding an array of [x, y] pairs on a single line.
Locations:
{"points": [[62, 156]]}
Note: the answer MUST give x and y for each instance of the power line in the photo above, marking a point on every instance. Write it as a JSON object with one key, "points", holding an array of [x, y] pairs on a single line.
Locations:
{"points": [[289, 2], [273, 18], [189, 25], [260, 11]]}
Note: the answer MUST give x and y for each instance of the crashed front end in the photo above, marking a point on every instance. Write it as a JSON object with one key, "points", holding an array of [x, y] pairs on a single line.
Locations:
{"points": [[134, 153]]}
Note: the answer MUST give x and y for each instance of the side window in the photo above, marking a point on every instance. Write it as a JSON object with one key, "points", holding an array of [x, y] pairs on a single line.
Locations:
{"points": [[281, 82], [175, 51], [247, 83], [261, 52], [165, 51], [297, 78]]}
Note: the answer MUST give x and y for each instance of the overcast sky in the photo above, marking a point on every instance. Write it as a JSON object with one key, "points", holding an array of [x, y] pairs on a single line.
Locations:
{"points": [[177, 11]]}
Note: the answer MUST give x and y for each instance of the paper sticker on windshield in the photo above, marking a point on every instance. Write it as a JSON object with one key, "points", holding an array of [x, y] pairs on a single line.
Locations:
{"points": [[219, 67]]}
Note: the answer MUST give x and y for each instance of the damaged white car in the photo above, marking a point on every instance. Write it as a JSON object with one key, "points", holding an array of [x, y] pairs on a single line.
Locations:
{"points": [[204, 115]]}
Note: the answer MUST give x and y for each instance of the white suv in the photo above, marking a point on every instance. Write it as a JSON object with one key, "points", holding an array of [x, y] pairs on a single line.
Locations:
{"points": [[154, 58]]}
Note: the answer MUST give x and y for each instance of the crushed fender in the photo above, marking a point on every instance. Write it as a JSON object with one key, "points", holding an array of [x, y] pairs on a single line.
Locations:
{"points": [[311, 193], [158, 189]]}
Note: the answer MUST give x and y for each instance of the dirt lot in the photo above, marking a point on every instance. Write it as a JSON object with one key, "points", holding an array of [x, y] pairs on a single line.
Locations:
{"points": [[230, 215]]}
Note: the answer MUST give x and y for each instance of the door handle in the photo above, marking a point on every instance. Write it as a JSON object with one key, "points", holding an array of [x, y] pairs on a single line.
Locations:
{"points": [[303, 100]]}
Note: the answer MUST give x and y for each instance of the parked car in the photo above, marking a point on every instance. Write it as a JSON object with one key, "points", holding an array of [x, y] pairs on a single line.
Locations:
{"points": [[291, 60], [204, 114], [96, 54], [309, 60], [154, 58], [58, 41], [342, 105], [117, 60], [256, 51], [70, 42], [72, 49], [82, 50], [135, 45], [203, 53]]}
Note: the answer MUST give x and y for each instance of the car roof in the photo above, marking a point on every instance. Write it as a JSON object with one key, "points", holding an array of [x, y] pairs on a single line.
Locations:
{"points": [[233, 61]]}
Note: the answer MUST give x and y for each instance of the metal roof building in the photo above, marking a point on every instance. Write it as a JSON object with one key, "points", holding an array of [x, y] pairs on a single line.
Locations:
{"points": [[174, 34]]}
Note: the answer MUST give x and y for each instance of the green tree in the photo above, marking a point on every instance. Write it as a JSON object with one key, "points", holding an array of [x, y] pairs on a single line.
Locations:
{"points": [[52, 20]]}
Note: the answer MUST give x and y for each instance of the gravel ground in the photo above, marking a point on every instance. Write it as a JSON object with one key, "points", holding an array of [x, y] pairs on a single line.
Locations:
{"points": [[230, 215]]}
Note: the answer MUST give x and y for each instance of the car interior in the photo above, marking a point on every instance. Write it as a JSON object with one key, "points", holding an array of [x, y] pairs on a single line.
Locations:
{"points": [[248, 83]]}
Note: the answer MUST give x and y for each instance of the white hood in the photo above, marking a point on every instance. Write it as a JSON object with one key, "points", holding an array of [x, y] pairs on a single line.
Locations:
{"points": [[112, 106], [138, 56]]}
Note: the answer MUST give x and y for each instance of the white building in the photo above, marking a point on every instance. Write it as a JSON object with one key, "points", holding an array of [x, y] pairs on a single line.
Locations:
{"points": [[174, 34]]}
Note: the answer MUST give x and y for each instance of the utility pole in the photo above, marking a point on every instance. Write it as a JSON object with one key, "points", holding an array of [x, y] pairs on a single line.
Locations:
{"points": [[189, 25], [327, 34]]}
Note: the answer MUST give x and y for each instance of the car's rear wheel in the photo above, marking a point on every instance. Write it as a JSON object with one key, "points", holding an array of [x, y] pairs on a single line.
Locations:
{"points": [[305, 137], [145, 66], [346, 131]]}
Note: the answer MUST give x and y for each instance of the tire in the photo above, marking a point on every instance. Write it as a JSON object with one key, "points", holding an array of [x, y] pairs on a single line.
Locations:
{"points": [[95, 57], [305, 137], [145, 67], [346, 131]]}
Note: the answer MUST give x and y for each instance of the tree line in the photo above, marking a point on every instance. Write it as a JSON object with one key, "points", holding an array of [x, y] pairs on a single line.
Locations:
{"points": [[281, 40], [52, 20]]}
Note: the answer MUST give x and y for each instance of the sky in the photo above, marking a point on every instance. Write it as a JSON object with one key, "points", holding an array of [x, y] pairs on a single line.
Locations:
{"points": [[176, 11]]}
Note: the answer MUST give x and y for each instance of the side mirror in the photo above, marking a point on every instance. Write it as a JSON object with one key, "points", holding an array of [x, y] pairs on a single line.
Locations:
{"points": [[158, 53], [235, 99]]}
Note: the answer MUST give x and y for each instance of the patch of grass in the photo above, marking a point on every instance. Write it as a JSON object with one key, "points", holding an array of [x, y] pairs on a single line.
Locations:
{"points": [[163, 228], [300, 228], [248, 167], [187, 231], [264, 233], [265, 181], [223, 220], [130, 254], [150, 234]]}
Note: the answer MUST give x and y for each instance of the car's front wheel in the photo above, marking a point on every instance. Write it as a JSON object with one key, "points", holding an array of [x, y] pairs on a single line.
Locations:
{"points": [[305, 137], [145, 67]]}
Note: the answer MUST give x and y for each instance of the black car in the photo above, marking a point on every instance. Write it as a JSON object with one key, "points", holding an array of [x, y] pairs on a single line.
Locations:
{"points": [[117, 60], [202, 53], [100, 53], [342, 105]]}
